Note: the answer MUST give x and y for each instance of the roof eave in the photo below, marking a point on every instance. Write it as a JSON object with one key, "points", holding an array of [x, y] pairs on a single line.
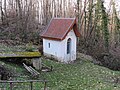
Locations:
{"points": [[51, 38]]}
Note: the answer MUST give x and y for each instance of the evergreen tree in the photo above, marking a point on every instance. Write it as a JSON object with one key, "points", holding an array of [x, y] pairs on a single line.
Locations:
{"points": [[102, 23], [116, 22]]}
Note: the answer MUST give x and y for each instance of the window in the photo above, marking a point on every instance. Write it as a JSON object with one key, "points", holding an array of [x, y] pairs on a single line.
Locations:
{"points": [[68, 46], [49, 45]]}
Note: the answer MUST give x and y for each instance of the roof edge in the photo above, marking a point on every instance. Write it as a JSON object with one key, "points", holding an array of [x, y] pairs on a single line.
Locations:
{"points": [[72, 24], [51, 38], [63, 18], [46, 28]]}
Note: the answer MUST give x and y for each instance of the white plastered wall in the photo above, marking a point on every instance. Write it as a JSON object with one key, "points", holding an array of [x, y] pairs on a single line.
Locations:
{"points": [[58, 49]]}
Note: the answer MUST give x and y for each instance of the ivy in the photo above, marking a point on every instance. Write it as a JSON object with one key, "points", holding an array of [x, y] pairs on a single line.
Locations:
{"points": [[102, 22], [117, 26]]}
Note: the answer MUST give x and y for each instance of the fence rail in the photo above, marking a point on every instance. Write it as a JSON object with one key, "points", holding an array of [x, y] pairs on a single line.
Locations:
{"points": [[11, 83]]}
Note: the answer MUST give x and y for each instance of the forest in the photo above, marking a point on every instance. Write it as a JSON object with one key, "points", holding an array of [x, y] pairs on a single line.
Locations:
{"points": [[97, 66], [22, 21]]}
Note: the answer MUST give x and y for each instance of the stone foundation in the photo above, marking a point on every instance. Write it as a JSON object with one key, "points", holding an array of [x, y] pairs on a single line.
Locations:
{"points": [[57, 58], [53, 57]]}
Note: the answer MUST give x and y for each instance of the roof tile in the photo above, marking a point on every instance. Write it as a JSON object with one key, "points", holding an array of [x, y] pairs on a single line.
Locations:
{"points": [[59, 27]]}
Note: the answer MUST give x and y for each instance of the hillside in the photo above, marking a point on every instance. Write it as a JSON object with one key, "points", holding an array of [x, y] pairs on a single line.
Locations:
{"points": [[81, 75]]}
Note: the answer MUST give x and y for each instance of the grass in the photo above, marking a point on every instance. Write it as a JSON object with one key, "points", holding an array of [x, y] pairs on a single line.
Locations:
{"points": [[19, 51], [81, 75], [18, 48], [21, 74]]}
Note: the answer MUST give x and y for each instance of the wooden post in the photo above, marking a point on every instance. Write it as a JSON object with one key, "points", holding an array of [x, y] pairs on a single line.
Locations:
{"points": [[31, 84], [37, 63], [10, 85], [45, 87]]}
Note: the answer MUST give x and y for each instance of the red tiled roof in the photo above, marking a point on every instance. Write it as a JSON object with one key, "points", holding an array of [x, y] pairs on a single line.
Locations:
{"points": [[59, 28]]}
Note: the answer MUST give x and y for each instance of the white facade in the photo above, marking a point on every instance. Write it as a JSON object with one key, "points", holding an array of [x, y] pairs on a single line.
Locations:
{"points": [[58, 49]]}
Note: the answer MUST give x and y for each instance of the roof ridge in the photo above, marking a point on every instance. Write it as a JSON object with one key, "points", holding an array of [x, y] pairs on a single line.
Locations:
{"points": [[69, 27], [47, 27], [63, 18]]}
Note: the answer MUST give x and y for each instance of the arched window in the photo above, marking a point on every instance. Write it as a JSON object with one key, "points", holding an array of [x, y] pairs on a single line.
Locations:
{"points": [[68, 46]]}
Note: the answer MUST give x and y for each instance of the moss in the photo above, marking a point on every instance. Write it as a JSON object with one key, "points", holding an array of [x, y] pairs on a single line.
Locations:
{"points": [[21, 54], [27, 54]]}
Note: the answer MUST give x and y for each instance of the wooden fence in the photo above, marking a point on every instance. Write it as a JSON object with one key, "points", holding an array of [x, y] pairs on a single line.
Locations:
{"points": [[11, 85]]}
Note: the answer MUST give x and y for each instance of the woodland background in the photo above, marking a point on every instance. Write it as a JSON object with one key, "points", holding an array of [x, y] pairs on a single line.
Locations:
{"points": [[22, 21]]}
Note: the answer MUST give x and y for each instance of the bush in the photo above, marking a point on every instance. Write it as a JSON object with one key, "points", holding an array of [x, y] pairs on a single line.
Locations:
{"points": [[110, 61], [30, 47]]}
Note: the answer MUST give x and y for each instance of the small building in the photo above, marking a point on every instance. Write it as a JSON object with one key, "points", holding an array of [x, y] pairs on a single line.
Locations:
{"points": [[60, 38]]}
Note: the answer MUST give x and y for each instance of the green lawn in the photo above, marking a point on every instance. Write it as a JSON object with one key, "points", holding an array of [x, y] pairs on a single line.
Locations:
{"points": [[81, 75]]}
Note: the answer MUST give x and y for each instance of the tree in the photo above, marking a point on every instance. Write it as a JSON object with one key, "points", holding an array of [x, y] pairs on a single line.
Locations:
{"points": [[101, 23], [115, 24]]}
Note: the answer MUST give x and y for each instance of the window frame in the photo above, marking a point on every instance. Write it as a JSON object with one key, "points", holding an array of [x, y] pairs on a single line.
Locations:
{"points": [[48, 45], [69, 46]]}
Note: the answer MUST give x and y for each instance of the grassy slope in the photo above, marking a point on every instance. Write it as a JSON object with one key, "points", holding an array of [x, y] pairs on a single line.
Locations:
{"points": [[82, 75]]}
